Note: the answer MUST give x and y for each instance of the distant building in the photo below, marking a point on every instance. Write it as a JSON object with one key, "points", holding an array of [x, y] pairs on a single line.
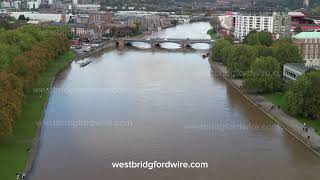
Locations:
{"points": [[277, 23], [309, 46], [281, 24], [299, 22], [99, 18], [79, 29], [152, 22], [34, 16], [82, 19], [17, 4], [226, 21], [155, 22], [5, 4], [134, 21], [87, 7], [33, 5], [306, 3]]}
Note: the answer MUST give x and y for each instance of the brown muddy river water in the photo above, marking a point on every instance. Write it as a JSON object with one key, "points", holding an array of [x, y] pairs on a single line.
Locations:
{"points": [[144, 105]]}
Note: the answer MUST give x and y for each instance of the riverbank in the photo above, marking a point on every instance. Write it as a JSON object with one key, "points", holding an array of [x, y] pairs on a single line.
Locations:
{"points": [[80, 54], [18, 151], [311, 139]]}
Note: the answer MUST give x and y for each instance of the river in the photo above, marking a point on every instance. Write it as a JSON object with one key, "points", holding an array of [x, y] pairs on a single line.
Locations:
{"points": [[136, 104]]}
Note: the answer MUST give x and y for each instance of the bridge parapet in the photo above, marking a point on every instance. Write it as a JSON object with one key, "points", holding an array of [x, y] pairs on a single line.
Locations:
{"points": [[183, 42]]}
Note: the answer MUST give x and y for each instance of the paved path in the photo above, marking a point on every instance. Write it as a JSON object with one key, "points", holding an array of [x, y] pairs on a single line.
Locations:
{"points": [[292, 125]]}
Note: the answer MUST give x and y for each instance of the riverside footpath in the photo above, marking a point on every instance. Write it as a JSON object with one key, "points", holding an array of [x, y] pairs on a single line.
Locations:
{"points": [[310, 138]]}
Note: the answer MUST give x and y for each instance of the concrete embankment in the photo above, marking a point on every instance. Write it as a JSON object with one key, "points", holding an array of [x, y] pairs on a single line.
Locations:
{"points": [[101, 47], [311, 139]]}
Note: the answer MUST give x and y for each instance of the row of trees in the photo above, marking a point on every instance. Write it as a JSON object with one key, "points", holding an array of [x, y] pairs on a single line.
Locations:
{"points": [[259, 62], [25, 53]]}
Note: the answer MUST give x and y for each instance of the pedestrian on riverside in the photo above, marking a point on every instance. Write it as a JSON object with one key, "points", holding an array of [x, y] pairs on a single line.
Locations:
{"points": [[18, 175], [23, 175], [304, 126]]}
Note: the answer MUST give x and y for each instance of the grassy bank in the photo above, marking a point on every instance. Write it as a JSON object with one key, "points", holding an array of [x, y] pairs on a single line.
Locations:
{"points": [[14, 149], [278, 99]]}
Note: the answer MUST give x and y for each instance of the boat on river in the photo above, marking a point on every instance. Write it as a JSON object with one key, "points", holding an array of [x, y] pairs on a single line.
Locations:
{"points": [[85, 63]]}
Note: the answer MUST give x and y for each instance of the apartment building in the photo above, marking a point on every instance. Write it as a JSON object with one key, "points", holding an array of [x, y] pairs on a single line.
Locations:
{"points": [[277, 23]]}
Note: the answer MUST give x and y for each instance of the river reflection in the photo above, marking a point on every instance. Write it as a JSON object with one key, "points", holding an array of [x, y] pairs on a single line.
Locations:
{"points": [[165, 106]]}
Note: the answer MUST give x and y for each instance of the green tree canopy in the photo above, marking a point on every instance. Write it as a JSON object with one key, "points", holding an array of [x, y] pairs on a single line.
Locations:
{"points": [[258, 38], [286, 52], [303, 96], [264, 51], [227, 53], [25, 53], [215, 23], [264, 76], [217, 48], [241, 60]]}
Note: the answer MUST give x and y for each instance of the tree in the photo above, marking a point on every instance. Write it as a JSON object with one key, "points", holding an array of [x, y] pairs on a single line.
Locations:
{"points": [[284, 3], [303, 96], [25, 53], [227, 53], [215, 23], [286, 52], [264, 51], [4, 24], [212, 33], [264, 76], [241, 60], [22, 18], [11, 94], [217, 48], [7, 54], [258, 38]]}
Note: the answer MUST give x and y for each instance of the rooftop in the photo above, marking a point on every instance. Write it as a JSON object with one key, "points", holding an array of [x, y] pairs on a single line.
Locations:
{"points": [[307, 35], [300, 67], [299, 14]]}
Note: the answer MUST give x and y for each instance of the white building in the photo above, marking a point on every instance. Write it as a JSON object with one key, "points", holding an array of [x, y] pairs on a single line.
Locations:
{"points": [[33, 5], [17, 4], [87, 7], [277, 23], [291, 71], [246, 23], [34, 16], [5, 4]]}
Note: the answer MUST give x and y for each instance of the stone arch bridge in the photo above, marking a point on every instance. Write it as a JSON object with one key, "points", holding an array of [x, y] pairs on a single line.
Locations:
{"points": [[157, 41]]}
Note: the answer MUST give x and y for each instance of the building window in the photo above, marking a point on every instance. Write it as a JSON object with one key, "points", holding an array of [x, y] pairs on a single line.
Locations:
{"points": [[290, 73]]}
